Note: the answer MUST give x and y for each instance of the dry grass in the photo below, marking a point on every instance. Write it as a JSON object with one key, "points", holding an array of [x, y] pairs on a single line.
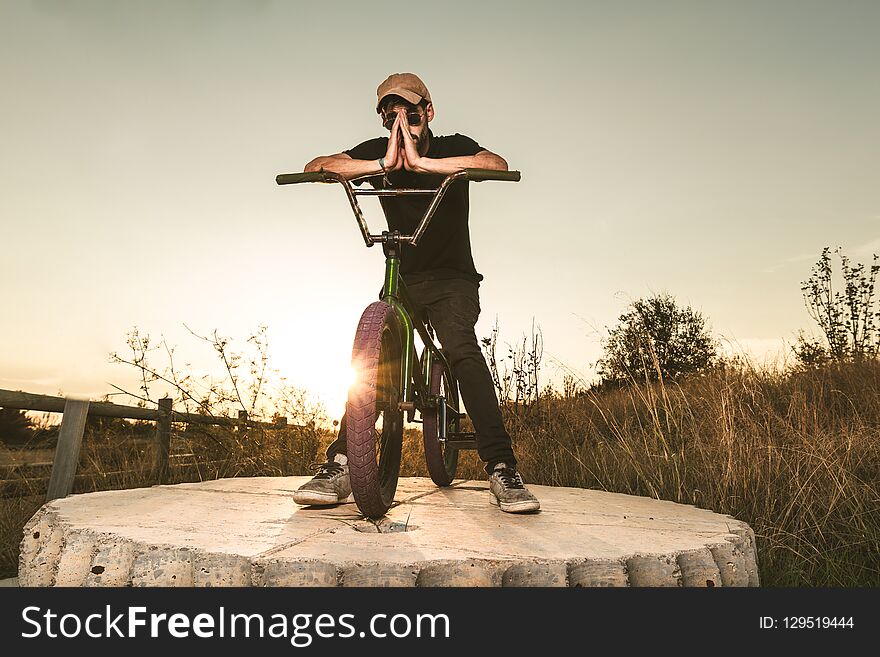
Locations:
{"points": [[794, 454], [14, 513]]}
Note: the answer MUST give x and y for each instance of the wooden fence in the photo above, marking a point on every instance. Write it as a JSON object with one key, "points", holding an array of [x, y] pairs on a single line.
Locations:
{"points": [[76, 410]]}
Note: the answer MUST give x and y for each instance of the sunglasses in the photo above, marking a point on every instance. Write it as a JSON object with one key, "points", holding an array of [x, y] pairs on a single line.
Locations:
{"points": [[413, 118]]}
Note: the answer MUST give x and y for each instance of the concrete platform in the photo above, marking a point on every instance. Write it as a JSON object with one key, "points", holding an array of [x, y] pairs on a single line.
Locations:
{"points": [[249, 532]]}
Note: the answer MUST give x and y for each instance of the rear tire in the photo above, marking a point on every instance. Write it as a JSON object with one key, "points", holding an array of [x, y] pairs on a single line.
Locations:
{"points": [[442, 461], [374, 432]]}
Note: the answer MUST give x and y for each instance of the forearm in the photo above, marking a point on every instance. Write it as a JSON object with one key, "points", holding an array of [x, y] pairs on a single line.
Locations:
{"points": [[448, 165], [345, 166]]}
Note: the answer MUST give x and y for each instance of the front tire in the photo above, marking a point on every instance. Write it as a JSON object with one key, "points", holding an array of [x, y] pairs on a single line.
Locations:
{"points": [[374, 433]]}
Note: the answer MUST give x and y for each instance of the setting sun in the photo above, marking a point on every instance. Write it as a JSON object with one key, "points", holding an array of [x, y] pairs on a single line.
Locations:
{"points": [[320, 363]]}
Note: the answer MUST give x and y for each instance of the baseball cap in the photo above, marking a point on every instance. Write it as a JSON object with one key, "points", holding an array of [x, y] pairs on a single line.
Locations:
{"points": [[406, 85]]}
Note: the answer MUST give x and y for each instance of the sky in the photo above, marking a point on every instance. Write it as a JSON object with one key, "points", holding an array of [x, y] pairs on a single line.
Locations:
{"points": [[705, 149]]}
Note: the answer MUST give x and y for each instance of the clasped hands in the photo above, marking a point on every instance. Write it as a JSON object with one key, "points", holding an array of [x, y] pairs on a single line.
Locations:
{"points": [[402, 152]]}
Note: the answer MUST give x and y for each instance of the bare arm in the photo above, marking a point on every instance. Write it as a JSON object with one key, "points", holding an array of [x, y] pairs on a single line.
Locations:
{"points": [[482, 160], [344, 165]]}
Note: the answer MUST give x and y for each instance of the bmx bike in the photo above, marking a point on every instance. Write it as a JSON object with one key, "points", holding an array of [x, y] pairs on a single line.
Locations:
{"points": [[392, 379]]}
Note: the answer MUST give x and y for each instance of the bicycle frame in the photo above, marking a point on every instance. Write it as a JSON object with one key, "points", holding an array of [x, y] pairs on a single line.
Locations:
{"points": [[395, 295], [394, 292]]}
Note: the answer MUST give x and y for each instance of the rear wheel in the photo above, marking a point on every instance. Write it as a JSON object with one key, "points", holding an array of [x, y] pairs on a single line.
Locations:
{"points": [[374, 431], [441, 460]]}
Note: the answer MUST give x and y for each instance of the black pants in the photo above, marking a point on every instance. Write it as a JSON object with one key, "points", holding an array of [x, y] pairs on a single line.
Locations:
{"points": [[453, 307]]}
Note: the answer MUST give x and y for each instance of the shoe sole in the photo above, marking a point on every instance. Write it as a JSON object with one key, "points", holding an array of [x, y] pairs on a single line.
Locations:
{"points": [[517, 507], [314, 498]]}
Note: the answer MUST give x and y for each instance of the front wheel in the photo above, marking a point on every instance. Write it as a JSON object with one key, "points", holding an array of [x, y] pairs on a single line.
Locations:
{"points": [[374, 432], [442, 461]]}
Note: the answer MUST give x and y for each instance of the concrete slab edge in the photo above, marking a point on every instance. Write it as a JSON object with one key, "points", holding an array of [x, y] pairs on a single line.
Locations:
{"points": [[53, 554]]}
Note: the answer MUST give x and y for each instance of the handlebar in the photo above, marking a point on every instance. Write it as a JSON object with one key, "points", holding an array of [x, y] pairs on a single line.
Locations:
{"points": [[479, 175], [473, 175], [293, 178]]}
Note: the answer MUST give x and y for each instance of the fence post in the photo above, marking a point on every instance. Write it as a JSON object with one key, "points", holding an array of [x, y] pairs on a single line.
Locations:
{"points": [[242, 421], [73, 423], [163, 441]]}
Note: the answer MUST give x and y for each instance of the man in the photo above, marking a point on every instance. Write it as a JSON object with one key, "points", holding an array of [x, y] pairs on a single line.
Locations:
{"points": [[439, 274]]}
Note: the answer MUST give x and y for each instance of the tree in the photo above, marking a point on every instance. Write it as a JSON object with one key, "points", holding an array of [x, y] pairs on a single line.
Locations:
{"points": [[848, 319], [16, 428], [655, 337]]}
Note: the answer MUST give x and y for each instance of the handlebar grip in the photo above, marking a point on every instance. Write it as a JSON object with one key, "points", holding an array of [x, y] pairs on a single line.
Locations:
{"points": [[293, 178], [478, 175]]}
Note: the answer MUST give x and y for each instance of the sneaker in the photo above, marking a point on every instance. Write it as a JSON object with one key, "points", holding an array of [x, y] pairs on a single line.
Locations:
{"points": [[506, 485], [330, 486]]}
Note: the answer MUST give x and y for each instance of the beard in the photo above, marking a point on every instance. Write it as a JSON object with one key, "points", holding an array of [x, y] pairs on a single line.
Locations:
{"points": [[420, 141]]}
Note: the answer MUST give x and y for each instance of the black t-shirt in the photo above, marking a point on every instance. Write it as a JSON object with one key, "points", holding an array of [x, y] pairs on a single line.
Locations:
{"points": [[444, 251]]}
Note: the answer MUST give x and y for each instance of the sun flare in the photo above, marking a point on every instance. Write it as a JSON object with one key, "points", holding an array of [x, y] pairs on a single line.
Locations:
{"points": [[321, 365]]}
